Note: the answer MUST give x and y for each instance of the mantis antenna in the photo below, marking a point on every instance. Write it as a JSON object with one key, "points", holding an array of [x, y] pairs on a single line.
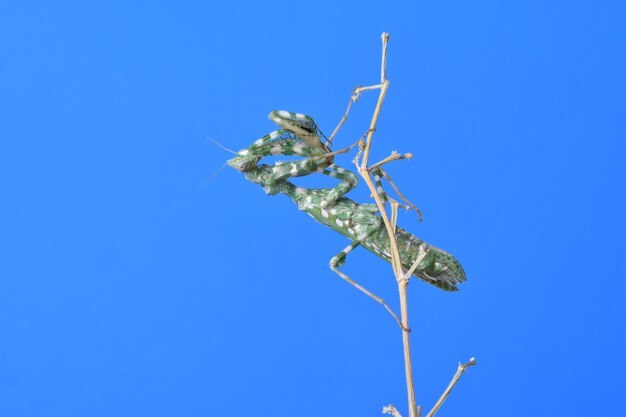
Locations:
{"points": [[220, 145], [205, 182]]}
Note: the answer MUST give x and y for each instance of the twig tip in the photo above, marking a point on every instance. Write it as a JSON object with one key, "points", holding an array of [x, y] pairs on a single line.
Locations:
{"points": [[471, 362], [391, 409]]}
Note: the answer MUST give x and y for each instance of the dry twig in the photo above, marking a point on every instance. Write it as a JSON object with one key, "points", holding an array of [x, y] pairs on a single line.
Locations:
{"points": [[459, 371], [402, 278]]}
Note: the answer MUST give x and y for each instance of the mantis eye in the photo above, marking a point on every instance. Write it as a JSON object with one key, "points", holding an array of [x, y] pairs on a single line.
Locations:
{"points": [[238, 163], [439, 267]]}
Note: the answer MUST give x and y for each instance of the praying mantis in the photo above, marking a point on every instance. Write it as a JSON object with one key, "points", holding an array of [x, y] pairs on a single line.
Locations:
{"points": [[299, 136]]}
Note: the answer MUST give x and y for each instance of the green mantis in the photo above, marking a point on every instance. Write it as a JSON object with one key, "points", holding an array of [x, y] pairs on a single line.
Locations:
{"points": [[299, 136]]}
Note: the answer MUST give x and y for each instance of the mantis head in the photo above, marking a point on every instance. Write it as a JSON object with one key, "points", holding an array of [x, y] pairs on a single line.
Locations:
{"points": [[259, 174], [244, 161]]}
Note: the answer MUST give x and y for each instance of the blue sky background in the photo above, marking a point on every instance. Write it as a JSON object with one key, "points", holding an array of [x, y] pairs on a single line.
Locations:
{"points": [[129, 289]]}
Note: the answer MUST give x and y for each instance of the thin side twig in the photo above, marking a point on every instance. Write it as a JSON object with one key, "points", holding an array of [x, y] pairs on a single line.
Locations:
{"points": [[459, 371]]}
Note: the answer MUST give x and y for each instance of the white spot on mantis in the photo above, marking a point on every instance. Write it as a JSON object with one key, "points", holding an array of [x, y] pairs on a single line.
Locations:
{"points": [[340, 170], [274, 134], [284, 113], [362, 237], [300, 115], [346, 250], [351, 231], [338, 222], [324, 213], [294, 169]]}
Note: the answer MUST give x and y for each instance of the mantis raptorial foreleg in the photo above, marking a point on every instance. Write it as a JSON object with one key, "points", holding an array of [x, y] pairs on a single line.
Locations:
{"points": [[316, 162], [283, 142]]}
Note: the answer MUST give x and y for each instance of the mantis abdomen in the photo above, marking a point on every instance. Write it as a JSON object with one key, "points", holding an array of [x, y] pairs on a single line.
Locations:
{"points": [[359, 223]]}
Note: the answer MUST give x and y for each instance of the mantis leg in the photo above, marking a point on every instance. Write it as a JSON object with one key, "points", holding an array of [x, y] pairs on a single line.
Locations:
{"points": [[354, 97], [378, 175], [348, 181], [339, 259]]}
